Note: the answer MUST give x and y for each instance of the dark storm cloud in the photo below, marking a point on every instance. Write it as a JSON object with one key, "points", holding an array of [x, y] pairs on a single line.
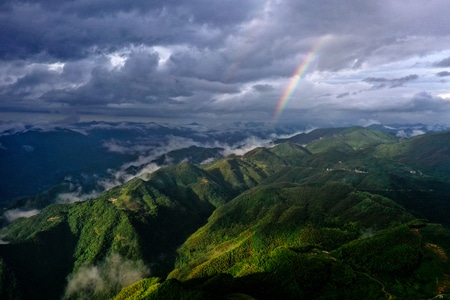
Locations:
{"points": [[30, 29], [73, 29], [379, 83], [136, 81], [424, 102], [443, 63], [138, 88], [263, 87], [199, 63], [342, 95], [206, 59], [443, 74]]}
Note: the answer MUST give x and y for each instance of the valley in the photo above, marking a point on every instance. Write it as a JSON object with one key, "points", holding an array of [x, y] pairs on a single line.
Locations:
{"points": [[348, 213]]}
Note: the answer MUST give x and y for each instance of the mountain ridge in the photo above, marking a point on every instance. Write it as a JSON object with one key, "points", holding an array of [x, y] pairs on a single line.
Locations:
{"points": [[236, 225]]}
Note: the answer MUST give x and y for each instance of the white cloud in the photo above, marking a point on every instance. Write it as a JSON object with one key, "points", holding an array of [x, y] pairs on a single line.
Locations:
{"points": [[445, 96], [408, 134], [109, 276], [76, 196], [14, 214], [145, 166]]}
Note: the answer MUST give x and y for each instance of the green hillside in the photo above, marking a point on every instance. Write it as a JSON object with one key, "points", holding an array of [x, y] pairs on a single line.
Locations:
{"points": [[340, 215], [429, 153], [290, 216], [142, 222], [354, 138]]}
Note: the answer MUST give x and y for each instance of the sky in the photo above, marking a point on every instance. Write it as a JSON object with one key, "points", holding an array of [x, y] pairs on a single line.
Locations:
{"points": [[328, 62]]}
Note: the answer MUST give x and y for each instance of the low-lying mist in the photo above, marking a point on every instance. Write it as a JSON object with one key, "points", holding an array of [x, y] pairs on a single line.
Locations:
{"points": [[104, 279]]}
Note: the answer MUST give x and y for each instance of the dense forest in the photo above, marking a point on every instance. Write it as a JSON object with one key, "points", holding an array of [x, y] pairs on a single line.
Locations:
{"points": [[348, 213]]}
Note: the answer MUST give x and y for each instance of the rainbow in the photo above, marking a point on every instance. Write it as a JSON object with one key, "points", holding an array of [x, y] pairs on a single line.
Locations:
{"points": [[295, 79]]}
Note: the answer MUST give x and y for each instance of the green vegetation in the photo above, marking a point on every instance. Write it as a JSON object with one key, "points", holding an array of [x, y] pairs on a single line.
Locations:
{"points": [[288, 215], [354, 214], [139, 290]]}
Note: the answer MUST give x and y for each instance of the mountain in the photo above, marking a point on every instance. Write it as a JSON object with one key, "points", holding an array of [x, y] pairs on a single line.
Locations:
{"points": [[306, 138], [408, 130], [353, 213], [49, 157], [133, 224], [413, 172], [263, 232], [85, 159], [193, 154]]}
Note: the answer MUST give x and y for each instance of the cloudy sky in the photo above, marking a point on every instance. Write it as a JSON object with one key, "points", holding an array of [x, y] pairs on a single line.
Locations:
{"points": [[328, 62]]}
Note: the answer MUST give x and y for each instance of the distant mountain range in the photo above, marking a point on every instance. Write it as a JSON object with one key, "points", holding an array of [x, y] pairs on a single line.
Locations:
{"points": [[80, 156], [341, 213], [85, 159]]}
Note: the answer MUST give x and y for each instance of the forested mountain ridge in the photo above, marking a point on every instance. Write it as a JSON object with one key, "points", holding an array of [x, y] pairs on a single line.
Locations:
{"points": [[339, 216]]}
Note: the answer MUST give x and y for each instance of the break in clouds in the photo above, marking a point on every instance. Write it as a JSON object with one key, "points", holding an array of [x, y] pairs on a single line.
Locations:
{"points": [[224, 60]]}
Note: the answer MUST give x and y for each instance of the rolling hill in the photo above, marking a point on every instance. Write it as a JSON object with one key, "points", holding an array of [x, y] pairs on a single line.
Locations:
{"points": [[349, 213]]}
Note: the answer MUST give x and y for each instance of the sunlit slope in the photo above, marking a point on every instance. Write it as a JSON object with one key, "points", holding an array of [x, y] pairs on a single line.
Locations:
{"points": [[143, 220], [294, 241], [285, 215], [139, 221], [239, 173], [316, 220], [428, 153], [355, 138], [413, 172]]}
